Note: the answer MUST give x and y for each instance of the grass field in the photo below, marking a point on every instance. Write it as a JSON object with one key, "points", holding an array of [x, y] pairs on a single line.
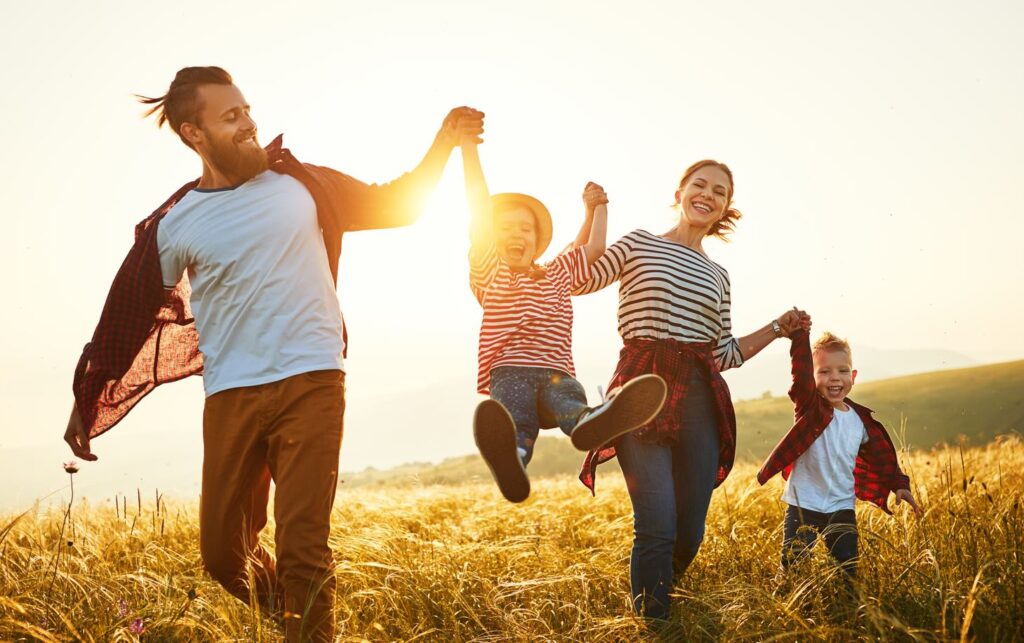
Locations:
{"points": [[456, 563]]}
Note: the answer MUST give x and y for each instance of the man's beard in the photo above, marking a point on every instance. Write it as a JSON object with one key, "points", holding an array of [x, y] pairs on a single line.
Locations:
{"points": [[238, 162]]}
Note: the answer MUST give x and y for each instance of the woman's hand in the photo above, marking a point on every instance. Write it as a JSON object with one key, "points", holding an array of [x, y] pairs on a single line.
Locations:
{"points": [[793, 320]]}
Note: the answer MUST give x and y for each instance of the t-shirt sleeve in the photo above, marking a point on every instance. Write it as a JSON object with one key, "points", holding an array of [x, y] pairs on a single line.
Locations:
{"points": [[172, 260], [574, 263], [483, 268]]}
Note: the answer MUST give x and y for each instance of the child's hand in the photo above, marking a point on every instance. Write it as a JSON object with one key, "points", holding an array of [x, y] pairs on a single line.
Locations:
{"points": [[904, 495], [593, 196]]}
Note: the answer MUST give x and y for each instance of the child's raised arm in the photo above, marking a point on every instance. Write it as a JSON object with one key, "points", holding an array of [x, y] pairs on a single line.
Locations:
{"points": [[593, 233], [481, 233]]}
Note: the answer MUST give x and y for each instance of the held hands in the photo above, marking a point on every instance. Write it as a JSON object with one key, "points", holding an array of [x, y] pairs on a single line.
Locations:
{"points": [[593, 196], [793, 320], [904, 495], [462, 125]]}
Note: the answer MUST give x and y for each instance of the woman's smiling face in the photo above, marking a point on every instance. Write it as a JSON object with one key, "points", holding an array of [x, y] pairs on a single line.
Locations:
{"points": [[704, 198]]}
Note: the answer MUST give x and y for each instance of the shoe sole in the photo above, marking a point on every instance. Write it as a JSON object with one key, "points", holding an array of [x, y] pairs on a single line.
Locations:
{"points": [[639, 402], [495, 434]]}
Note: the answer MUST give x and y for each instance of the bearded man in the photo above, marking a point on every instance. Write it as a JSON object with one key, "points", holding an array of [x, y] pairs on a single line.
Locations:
{"points": [[258, 235]]}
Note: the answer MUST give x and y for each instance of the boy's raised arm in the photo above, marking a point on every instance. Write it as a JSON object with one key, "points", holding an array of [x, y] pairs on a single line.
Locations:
{"points": [[803, 389]]}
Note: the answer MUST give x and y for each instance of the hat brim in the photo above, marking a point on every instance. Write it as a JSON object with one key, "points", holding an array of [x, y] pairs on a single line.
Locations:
{"points": [[509, 200]]}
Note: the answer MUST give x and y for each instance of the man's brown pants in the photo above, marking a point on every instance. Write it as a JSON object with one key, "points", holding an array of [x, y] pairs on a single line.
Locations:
{"points": [[288, 431]]}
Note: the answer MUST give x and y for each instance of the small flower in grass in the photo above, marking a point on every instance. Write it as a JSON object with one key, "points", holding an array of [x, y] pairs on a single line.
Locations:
{"points": [[137, 626], [71, 467], [122, 607]]}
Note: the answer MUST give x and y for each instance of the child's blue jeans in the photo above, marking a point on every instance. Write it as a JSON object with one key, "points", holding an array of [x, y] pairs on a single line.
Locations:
{"points": [[530, 393]]}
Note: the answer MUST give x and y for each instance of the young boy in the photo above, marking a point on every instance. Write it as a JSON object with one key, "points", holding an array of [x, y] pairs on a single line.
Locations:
{"points": [[835, 452], [525, 354]]}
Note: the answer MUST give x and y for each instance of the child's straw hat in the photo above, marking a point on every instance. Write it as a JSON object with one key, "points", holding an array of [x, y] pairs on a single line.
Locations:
{"points": [[509, 200]]}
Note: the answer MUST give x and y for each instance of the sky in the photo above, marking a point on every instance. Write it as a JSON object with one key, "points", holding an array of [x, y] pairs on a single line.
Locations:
{"points": [[875, 147]]}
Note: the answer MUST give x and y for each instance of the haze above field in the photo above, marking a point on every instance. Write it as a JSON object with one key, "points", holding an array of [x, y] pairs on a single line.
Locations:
{"points": [[876, 148]]}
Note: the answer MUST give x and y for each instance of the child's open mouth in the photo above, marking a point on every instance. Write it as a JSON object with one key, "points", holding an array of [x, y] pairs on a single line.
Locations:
{"points": [[515, 251], [835, 390]]}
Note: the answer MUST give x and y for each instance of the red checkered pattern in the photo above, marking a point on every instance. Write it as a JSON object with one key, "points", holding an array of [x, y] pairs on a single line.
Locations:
{"points": [[877, 472], [146, 335], [673, 361]]}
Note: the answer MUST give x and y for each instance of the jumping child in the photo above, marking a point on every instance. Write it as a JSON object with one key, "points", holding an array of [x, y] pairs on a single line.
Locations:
{"points": [[525, 352]]}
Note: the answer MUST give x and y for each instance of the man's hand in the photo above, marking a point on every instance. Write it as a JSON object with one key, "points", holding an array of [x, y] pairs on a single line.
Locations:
{"points": [[77, 437], [593, 196], [462, 125], [904, 495], [794, 319]]}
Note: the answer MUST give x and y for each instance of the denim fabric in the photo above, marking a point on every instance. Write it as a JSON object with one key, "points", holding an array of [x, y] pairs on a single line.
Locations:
{"points": [[670, 489], [530, 393], [801, 530]]}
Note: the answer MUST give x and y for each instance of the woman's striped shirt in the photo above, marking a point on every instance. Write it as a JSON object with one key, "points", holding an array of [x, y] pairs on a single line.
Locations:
{"points": [[527, 321], [668, 291]]}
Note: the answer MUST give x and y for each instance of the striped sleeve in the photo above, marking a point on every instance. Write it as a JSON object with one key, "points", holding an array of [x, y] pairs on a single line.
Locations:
{"points": [[483, 267], [727, 350], [574, 263], [607, 269]]}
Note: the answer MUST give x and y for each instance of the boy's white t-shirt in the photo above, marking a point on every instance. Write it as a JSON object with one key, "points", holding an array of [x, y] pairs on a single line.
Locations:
{"points": [[822, 477], [262, 291]]}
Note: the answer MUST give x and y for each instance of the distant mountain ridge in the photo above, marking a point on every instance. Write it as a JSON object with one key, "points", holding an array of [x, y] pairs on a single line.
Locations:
{"points": [[920, 411]]}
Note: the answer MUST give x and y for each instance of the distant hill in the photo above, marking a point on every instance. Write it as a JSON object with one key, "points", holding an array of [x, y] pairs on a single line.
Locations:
{"points": [[977, 403]]}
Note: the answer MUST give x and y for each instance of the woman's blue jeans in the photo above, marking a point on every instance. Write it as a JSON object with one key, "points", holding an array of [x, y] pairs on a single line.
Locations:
{"points": [[670, 489]]}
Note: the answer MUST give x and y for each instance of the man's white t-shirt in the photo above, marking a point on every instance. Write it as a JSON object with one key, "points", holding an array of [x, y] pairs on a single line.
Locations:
{"points": [[822, 478], [262, 293]]}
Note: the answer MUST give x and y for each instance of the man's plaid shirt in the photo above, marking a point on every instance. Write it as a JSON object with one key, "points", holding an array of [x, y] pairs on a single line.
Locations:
{"points": [[877, 471], [146, 335], [674, 362]]}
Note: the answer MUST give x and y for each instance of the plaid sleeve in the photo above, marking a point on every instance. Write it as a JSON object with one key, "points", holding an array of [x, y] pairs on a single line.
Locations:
{"points": [[803, 389]]}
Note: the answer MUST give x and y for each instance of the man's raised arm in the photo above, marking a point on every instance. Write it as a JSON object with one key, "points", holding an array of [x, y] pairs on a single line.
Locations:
{"points": [[399, 203]]}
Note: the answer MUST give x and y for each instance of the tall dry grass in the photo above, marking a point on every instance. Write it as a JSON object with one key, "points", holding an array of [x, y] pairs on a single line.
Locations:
{"points": [[457, 563]]}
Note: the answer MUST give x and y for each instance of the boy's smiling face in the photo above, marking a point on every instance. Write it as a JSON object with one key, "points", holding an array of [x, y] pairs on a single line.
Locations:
{"points": [[833, 375], [515, 237]]}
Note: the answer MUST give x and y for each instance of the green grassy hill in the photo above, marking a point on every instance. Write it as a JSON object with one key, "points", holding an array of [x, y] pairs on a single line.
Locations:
{"points": [[977, 403]]}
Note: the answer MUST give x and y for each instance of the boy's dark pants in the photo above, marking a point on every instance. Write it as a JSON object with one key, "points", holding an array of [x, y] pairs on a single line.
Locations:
{"points": [[529, 392], [802, 527]]}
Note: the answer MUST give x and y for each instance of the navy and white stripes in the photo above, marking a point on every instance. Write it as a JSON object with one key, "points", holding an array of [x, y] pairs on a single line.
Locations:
{"points": [[668, 291]]}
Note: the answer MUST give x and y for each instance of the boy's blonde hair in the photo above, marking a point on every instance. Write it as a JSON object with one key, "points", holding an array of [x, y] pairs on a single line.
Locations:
{"points": [[830, 342]]}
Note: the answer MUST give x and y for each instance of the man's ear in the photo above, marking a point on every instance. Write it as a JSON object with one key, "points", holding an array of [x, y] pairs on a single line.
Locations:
{"points": [[191, 133]]}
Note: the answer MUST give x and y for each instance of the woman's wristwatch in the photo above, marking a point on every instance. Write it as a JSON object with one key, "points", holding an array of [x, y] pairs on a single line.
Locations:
{"points": [[776, 328]]}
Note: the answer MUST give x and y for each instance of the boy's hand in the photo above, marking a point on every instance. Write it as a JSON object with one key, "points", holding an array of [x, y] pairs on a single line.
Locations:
{"points": [[593, 196], [904, 495], [793, 320], [462, 125]]}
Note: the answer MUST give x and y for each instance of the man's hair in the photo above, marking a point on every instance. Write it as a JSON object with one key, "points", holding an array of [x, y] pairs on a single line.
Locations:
{"points": [[832, 343], [181, 103]]}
